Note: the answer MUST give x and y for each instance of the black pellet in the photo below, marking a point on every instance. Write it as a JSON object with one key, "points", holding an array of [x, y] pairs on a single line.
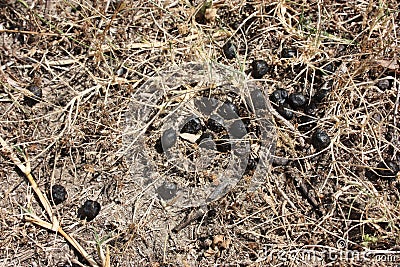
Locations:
{"points": [[285, 111], [229, 50], [89, 210], [34, 97], [279, 96], [259, 69], [297, 100], [168, 139], [58, 194], [193, 126], [320, 139]]}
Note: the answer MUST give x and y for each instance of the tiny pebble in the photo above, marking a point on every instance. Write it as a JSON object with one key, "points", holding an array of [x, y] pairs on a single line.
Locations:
{"points": [[384, 84], [193, 126], [121, 71], [58, 194], [279, 96], [229, 50], [259, 69], [168, 139], [89, 210], [297, 100], [320, 139]]}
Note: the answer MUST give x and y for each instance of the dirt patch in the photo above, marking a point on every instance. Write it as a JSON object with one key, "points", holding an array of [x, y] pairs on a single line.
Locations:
{"points": [[69, 72]]}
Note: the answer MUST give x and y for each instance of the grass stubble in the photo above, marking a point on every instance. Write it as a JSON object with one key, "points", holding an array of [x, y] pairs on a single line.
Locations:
{"points": [[89, 58]]}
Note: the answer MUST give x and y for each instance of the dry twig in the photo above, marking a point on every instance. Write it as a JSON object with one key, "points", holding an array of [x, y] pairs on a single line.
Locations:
{"points": [[54, 225]]}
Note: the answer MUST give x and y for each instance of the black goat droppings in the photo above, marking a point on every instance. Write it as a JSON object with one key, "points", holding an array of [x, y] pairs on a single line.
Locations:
{"points": [[285, 111], [384, 84], [279, 96], [168, 139], [193, 126], [58, 194], [259, 69], [297, 100], [320, 139], [229, 50], [215, 124], [89, 210], [36, 95], [311, 109]]}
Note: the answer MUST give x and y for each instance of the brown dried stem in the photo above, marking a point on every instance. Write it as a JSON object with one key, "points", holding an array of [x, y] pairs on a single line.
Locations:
{"points": [[54, 225]]}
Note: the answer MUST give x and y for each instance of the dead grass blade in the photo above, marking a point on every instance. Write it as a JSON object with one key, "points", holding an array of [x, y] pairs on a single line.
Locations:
{"points": [[54, 225]]}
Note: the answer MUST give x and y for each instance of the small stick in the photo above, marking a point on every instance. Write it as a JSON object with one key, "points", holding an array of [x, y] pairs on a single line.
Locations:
{"points": [[287, 124], [193, 215], [305, 193], [27, 171], [54, 225], [300, 185]]}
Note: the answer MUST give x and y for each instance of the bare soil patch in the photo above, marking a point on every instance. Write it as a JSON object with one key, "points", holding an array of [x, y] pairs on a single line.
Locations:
{"points": [[69, 70]]}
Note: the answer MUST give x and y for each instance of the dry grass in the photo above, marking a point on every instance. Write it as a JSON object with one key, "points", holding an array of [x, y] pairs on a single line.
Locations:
{"points": [[90, 58]]}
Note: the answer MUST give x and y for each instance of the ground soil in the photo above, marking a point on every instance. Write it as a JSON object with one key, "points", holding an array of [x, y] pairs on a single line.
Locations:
{"points": [[90, 58]]}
